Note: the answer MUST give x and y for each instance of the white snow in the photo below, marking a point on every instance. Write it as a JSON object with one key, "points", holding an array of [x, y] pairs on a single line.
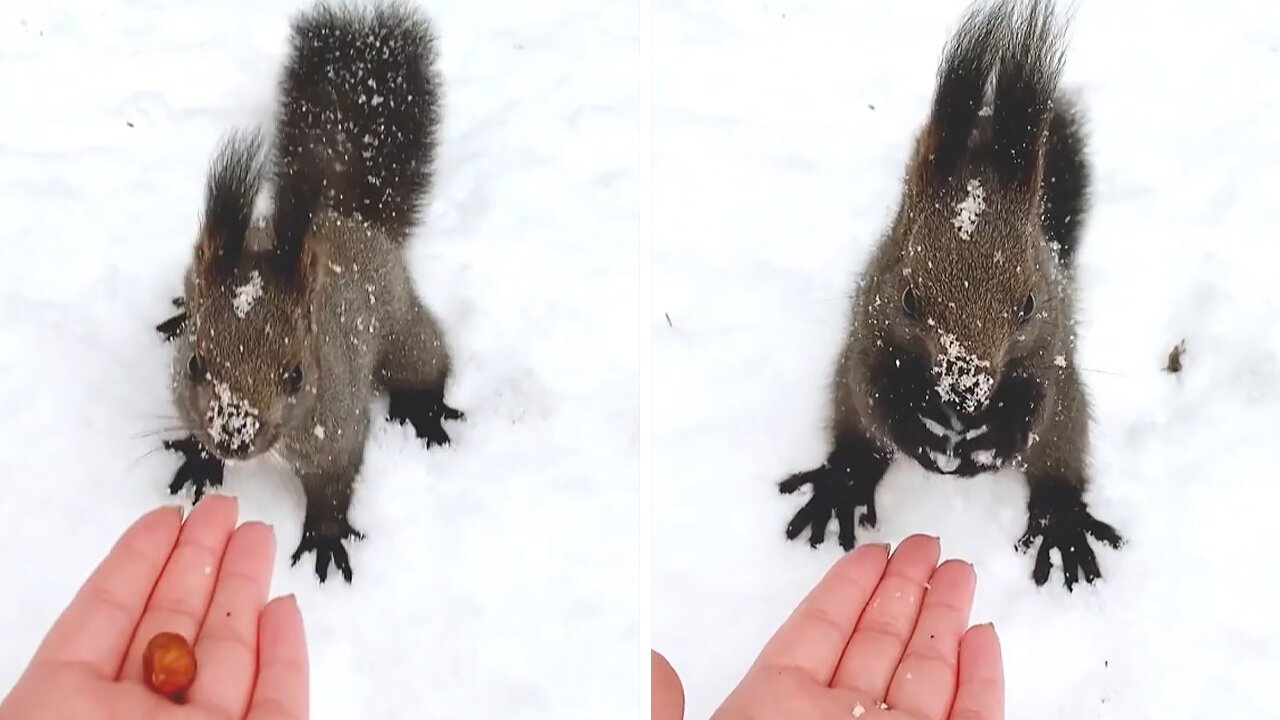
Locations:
{"points": [[247, 294], [500, 576], [962, 378], [230, 418], [773, 177], [968, 210], [984, 457], [946, 462]]}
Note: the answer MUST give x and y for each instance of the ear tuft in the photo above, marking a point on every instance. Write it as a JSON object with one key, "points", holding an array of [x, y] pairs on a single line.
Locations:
{"points": [[235, 179]]}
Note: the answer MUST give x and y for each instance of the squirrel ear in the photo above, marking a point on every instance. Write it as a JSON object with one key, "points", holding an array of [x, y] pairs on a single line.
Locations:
{"points": [[235, 176]]}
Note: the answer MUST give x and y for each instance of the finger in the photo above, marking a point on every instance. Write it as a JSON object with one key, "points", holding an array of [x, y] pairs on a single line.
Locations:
{"points": [[980, 695], [882, 633], [812, 639], [667, 691], [227, 645], [95, 628], [925, 682], [181, 598], [282, 691]]}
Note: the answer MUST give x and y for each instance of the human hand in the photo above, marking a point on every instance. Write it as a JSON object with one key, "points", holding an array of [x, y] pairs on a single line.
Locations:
{"points": [[879, 638], [205, 580]]}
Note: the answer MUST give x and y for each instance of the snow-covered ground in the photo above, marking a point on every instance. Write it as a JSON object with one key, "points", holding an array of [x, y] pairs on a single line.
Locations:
{"points": [[780, 131], [501, 575]]}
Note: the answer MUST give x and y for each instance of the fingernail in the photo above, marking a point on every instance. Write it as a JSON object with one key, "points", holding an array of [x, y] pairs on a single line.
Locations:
{"points": [[180, 510]]}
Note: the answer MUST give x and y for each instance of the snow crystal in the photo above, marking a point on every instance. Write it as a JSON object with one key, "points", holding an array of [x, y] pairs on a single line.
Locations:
{"points": [[963, 380], [934, 427], [1060, 361], [946, 462], [247, 294], [858, 710], [968, 210], [231, 420], [319, 432], [984, 457]]}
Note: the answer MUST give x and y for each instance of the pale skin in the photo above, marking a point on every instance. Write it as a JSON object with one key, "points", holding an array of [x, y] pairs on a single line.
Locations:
{"points": [[876, 629], [205, 579]]}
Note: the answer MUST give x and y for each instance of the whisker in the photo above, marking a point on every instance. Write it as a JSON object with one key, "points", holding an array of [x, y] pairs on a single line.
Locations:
{"points": [[157, 433], [144, 456], [1103, 372]]}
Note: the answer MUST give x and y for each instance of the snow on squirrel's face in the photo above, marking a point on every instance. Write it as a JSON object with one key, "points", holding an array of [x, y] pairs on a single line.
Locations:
{"points": [[970, 288], [245, 369]]}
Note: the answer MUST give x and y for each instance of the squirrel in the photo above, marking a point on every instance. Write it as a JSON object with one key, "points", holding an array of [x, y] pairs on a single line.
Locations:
{"points": [[961, 347], [290, 324]]}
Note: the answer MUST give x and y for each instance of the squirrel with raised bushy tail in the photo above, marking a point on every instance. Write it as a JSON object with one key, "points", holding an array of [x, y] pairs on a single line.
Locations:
{"points": [[291, 323], [961, 352]]}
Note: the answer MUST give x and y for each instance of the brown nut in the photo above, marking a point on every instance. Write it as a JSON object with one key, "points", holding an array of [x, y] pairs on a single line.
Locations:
{"points": [[169, 665]]}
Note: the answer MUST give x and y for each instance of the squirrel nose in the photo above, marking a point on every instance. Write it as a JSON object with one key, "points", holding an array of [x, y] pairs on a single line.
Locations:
{"points": [[233, 427], [966, 407]]}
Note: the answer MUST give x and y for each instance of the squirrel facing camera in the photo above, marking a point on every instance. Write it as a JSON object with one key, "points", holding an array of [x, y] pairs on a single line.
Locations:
{"points": [[290, 325], [961, 351]]}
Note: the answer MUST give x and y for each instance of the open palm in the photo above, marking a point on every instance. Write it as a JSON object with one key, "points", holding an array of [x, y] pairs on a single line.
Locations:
{"points": [[205, 580], [879, 638]]}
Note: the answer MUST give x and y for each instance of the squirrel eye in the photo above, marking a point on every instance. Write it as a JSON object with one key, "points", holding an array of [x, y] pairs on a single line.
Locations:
{"points": [[1028, 308], [293, 380], [911, 304], [195, 367]]}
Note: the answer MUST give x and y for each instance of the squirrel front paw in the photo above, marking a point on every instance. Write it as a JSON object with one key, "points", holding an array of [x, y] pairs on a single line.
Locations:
{"points": [[834, 493], [990, 447], [173, 327], [326, 542], [1059, 518], [199, 468], [426, 410]]}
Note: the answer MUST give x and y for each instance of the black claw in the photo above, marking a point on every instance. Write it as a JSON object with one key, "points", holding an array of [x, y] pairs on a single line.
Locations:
{"points": [[817, 529], [173, 327], [844, 519], [869, 518], [1041, 571], [426, 410], [1059, 518], [835, 495], [798, 524], [1105, 533], [200, 469], [793, 483], [328, 548]]}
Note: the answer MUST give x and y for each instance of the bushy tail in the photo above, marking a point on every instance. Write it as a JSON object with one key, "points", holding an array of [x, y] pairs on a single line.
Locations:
{"points": [[1066, 182], [1010, 54], [359, 115]]}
